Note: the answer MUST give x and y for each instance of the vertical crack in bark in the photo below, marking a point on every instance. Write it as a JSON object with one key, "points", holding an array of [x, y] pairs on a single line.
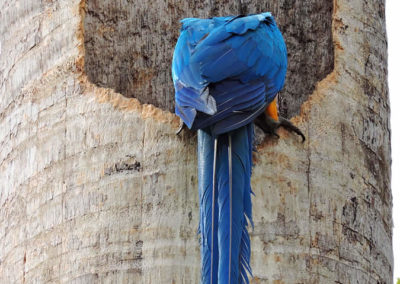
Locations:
{"points": [[309, 189], [240, 7], [142, 200]]}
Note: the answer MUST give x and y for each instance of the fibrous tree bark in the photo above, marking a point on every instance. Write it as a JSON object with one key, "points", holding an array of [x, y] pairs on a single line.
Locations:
{"points": [[96, 187]]}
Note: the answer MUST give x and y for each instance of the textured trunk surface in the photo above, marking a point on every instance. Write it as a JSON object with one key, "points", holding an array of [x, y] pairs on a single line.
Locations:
{"points": [[95, 187]]}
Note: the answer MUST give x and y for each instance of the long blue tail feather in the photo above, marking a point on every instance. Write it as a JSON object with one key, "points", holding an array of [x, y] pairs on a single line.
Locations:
{"points": [[226, 70], [205, 171], [230, 227]]}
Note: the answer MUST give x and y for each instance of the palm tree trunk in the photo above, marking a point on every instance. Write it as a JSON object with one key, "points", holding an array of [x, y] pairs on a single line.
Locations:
{"points": [[96, 187]]}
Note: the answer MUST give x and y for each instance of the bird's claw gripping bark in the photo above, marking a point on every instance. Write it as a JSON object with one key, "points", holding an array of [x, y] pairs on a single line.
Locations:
{"points": [[269, 125], [291, 127], [181, 127]]}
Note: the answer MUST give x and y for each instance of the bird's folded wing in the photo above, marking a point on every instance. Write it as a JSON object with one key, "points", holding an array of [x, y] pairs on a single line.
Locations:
{"points": [[246, 49]]}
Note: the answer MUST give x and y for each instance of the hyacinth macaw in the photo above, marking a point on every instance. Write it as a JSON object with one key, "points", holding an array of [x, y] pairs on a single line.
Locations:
{"points": [[227, 72]]}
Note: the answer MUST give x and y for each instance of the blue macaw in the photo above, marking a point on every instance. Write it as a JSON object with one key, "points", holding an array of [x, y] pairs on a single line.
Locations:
{"points": [[227, 72]]}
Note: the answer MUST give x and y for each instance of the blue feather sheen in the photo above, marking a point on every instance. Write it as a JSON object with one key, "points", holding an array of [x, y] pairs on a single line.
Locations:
{"points": [[225, 71], [229, 102], [205, 163], [221, 48], [241, 171]]}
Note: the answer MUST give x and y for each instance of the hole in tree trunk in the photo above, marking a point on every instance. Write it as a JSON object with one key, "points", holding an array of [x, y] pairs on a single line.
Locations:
{"points": [[129, 44]]}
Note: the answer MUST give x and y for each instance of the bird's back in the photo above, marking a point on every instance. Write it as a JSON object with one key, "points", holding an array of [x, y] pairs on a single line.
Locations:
{"points": [[227, 69]]}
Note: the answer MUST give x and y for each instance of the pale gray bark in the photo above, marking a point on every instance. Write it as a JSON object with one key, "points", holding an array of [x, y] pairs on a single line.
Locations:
{"points": [[96, 187]]}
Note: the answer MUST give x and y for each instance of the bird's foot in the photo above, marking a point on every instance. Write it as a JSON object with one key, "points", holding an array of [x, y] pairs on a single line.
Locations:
{"points": [[285, 123], [181, 127], [269, 125]]}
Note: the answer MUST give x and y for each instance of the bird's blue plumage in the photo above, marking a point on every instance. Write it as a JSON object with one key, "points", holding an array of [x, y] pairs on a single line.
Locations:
{"points": [[205, 176], [241, 172], [241, 204], [243, 50], [226, 70]]}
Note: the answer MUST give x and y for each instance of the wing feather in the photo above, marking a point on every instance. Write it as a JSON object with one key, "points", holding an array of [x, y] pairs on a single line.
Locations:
{"points": [[211, 51]]}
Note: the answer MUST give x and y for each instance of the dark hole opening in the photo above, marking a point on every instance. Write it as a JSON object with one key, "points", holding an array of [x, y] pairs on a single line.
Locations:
{"points": [[129, 44]]}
